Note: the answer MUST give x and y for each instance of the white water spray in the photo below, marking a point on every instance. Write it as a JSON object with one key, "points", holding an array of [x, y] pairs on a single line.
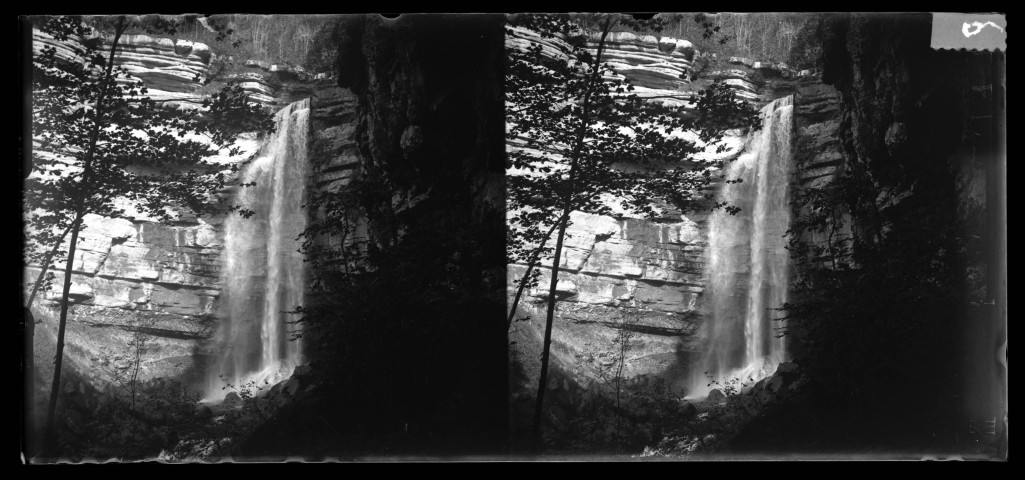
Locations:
{"points": [[748, 265], [263, 270]]}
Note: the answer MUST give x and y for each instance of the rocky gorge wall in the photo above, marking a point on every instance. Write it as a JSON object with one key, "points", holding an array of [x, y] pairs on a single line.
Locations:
{"points": [[919, 196], [412, 109], [407, 343], [623, 274], [135, 274], [926, 128]]}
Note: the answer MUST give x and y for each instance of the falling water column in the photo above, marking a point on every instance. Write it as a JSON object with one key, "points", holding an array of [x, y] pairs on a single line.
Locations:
{"points": [[748, 265], [263, 272]]}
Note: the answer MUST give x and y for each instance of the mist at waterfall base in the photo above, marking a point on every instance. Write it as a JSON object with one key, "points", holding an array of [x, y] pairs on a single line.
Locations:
{"points": [[263, 272], [747, 265]]}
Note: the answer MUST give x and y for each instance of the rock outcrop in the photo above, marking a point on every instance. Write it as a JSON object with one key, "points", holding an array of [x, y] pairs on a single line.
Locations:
{"points": [[927, 128], [174, 70], [333, 154], [640, 276], [621, 273], [419, 334], [665, 70], [649, 62], [171, 69], [136, 275]]}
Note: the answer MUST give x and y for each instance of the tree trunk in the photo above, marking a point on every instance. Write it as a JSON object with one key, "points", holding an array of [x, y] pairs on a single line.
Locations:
{"points": [[530, 268], [50, 440], [543, 379], [28, 412], [29, 334], [46, 267], [568, 203]]}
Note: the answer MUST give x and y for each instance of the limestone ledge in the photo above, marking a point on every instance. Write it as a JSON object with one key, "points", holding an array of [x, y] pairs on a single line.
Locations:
{"points": [[660, 63], [143, 266], [334, 156], [626, 262], [816, 148], [663, 69], [164, 64], [167, 67], [173, 70]]}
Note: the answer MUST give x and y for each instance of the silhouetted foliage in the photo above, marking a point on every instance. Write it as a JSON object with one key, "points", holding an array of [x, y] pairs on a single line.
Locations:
{"points": [[890, 256], [874, 286], [104, 147], [401, 324], [580, 137]]}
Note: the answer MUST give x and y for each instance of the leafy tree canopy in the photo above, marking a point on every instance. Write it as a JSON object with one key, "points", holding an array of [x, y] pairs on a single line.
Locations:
{"points": [[583, 140], [582, 136], [102, 146], [102, 143]]}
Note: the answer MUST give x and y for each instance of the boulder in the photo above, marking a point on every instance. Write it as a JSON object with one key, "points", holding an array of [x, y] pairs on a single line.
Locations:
{"points": [[183, 47], [716, 396], [232, 399]]}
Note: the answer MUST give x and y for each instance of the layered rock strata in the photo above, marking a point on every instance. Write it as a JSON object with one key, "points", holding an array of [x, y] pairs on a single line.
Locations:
{"points": [[174, 70], [136, 275], [622, 274]]}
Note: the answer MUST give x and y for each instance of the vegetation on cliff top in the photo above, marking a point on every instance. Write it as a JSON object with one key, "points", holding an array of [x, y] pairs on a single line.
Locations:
{"points": [[301, 40]]}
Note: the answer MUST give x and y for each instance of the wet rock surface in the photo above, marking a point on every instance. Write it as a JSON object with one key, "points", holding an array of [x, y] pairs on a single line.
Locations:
{"points": [[648, 275], [134, 275]]}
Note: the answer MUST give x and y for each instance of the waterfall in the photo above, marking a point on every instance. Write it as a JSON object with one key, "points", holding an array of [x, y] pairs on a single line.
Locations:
{"points": [[263, 273], [747, 265]]}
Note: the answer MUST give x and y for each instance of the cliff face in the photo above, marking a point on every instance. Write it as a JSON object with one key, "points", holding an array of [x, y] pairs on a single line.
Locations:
{"points": [[175, 69], [925, 128], [408, 354], [415, 107], [410, 74], [921, 126], [134, 274], [915, 326], [647, 277], [905, 104], [171, 69]]}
